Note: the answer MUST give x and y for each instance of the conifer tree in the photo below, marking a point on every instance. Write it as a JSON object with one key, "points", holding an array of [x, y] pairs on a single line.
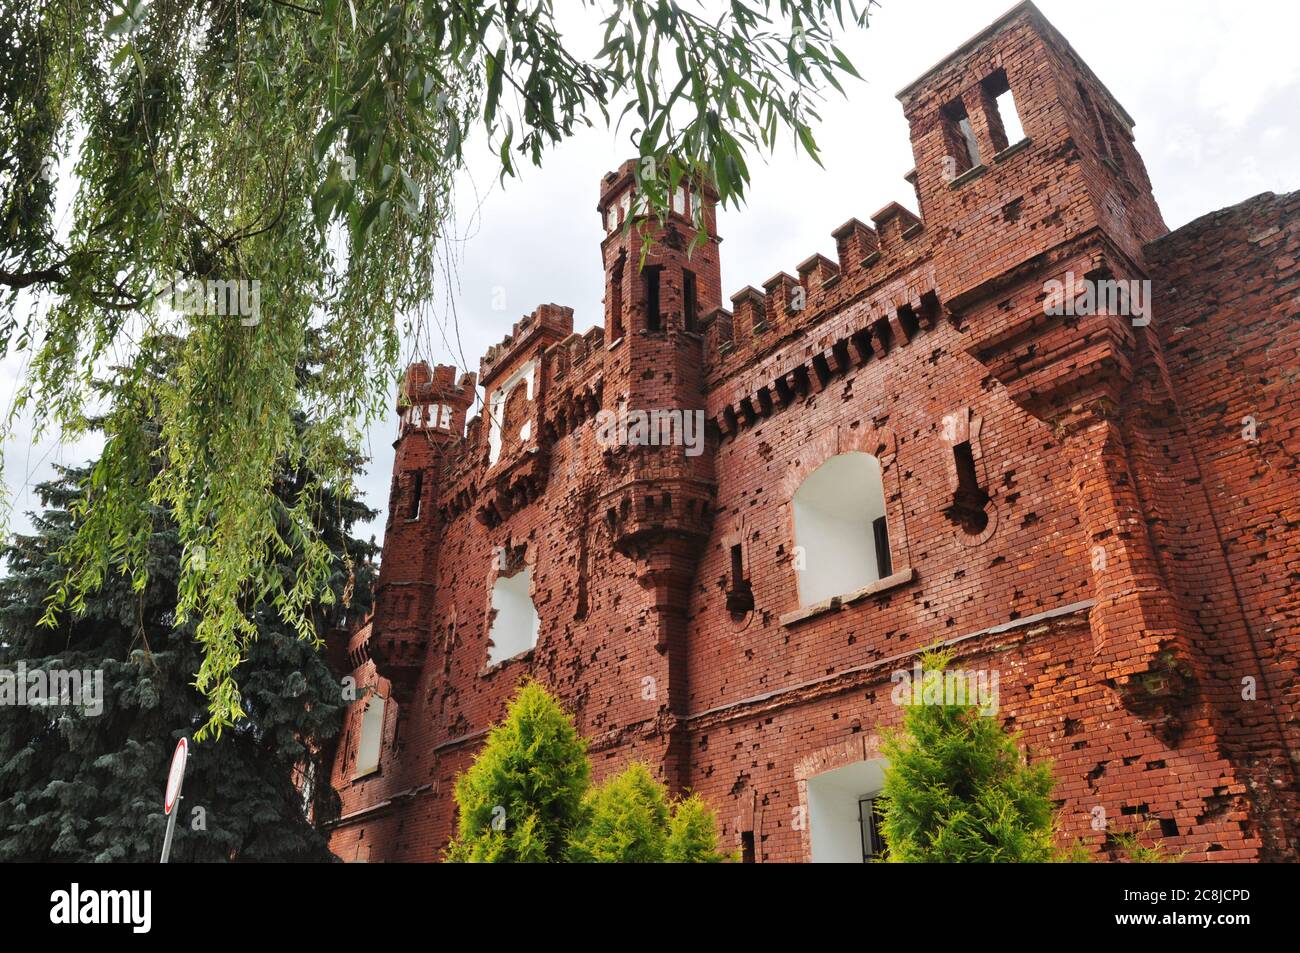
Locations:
{"points": [[76, 785], [959, 790], [527, 799], [693, 834], [626, 821], [295, 164], [630, 819], [523, 795]]}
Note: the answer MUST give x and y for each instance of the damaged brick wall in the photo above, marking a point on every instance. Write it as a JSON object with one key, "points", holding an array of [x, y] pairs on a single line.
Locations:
{"points": [[1228, 310], [1068, 498]]}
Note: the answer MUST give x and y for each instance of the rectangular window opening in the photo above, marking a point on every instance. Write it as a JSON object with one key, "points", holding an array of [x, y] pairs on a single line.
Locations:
{"points": [[513, 622], [653, 322], [740, 591], [371, 741], [873, 842], [880, 533], [968, 482], [690, 303], [616, 302], [959, 137], [1003, 117], [417, 493], [970, 498], [747, 847]]}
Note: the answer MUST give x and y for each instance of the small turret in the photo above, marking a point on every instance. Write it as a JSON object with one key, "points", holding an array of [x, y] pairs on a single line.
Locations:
{"points": [[658, 498], [431, 407]]}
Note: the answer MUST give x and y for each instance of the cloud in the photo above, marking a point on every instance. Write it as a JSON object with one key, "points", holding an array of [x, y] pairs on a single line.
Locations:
{"points": [[1211, 89]]}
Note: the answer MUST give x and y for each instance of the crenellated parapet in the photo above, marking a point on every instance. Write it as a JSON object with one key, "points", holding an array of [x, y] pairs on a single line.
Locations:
{"points": [[574, 370], [889, 317], [761, 322], [548, 323], [434, 401]]}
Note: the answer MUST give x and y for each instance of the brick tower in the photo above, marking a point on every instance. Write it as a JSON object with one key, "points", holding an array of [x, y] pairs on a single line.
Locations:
{"points": [[1009, 235], [1043, 264], [431, 409], [658, 497]]}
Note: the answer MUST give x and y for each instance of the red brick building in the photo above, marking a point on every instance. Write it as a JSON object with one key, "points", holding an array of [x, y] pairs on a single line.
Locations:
{"points": [[981, 428]]}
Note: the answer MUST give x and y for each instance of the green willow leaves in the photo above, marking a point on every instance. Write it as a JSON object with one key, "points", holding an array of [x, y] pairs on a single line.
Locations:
{"points": [[300, 157]]}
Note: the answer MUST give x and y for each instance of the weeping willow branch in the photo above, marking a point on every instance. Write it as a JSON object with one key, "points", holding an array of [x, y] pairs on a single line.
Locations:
{"points": [[258, 184]]}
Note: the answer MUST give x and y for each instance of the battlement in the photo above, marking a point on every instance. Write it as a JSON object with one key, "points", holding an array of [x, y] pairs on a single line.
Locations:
{"points": [[1025, 13], [552, 322], [868, 258], [615, 183], [423, 385], [618, 188]]}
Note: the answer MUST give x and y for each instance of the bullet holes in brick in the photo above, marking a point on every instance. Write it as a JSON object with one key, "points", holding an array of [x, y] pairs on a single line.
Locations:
{"points": [[1104, 127], [581, 602]]}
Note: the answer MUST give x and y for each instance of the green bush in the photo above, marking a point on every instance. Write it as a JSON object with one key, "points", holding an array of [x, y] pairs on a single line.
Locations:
{"points": [[631, 820], [527, 798], [693, 834], [523, 794], [626, 821], [958, 789]]}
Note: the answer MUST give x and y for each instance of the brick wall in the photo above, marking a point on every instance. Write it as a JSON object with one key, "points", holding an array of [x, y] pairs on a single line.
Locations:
{"points": [[1133, 560]]}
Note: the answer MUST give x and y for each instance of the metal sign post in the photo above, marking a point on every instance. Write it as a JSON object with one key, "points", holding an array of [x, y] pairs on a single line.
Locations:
{"points": [[172, 796]]}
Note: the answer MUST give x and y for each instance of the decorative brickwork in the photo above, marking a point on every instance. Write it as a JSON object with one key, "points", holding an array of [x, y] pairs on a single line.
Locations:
{"points": [[1098, 501]]}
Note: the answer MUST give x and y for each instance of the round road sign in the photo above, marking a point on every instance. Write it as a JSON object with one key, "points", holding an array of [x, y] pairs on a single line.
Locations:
{"points": [[176, 775]]}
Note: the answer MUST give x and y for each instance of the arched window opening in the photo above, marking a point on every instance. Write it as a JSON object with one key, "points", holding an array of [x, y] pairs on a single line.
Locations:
{"points": [[840, 528], [844, 814]]}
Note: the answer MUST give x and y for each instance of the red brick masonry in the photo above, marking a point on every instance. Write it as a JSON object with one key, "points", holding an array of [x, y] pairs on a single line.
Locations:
{"points": [[1126, 557]]}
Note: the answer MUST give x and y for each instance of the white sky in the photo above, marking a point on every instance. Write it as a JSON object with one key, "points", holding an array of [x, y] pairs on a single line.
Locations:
{"points": [[1213, 88]]}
